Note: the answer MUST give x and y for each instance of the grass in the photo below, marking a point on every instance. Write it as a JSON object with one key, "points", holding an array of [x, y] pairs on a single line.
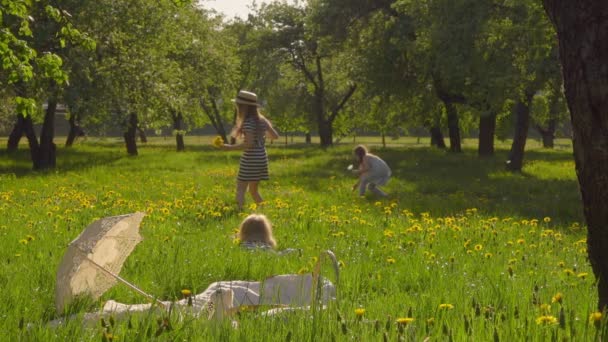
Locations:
{"points": [[467, 250]]}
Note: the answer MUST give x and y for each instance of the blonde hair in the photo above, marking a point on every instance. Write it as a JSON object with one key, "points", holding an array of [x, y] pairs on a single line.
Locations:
{"points": [[244, 111], [256, 228]]}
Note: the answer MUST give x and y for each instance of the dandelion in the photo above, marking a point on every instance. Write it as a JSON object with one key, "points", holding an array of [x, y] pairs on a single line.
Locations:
{"points": [[359, 312], [547, 219], [186, 293], [596, 319], [478, 247], [558, 298], [521, 241], [568, 272], [546, 320], [446, 306], [390, 260], [218, 141], [546, 308], [404, 320], [582, 275]]}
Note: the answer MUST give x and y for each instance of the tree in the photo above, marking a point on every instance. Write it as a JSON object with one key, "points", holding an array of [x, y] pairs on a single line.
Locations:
{"points": [[290, 32], [582, 31], [41, 74]]}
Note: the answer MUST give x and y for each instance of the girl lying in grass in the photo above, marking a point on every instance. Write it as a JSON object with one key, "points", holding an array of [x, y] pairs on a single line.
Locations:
{"points": [[255, 232]]}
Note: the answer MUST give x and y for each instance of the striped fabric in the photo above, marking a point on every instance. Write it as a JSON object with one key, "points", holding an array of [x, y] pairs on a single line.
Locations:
{"points": [[255, 245], [254, 161]]}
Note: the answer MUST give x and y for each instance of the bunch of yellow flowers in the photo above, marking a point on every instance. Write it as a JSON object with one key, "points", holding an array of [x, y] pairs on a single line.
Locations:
{"points": [[218, 141]]}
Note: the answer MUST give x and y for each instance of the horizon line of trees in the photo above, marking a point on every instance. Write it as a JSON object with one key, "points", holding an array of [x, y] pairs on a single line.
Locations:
{"points": [[326, 67]]}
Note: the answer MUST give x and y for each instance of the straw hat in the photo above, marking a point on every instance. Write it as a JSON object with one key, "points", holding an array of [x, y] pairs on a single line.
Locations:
{"points": [[247, 98]]}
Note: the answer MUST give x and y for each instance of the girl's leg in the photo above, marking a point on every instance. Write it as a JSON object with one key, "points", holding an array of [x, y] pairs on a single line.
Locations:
{"points": [[362, 187], [373, 188], [253, 190], [241, 188]]}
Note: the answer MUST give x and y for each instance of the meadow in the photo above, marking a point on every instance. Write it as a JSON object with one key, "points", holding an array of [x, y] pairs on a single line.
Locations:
{"points": [[461, 249]]}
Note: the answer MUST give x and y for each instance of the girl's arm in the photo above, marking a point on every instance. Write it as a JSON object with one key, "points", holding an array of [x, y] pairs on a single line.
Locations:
{"points": [[246, 143], [363, 167], [270, 131]]}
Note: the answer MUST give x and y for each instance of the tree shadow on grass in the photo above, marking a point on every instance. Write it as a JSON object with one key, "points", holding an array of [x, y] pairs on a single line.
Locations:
{"points": [[19, 163], [442, 183]]}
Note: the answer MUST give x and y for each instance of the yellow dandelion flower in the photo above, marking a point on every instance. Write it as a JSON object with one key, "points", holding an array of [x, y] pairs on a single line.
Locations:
{"points": [[561, 264], [186, 293], [582, 275], [23, 241], [390, 260], [218, 141], [521, 241], [446, 306], [359, 312], [545, 308], [547, 219], [568, 272], [478, 247], [558, 298], [596, 318], [546, 320], [303, 270], [405, 320], [488, 255]]}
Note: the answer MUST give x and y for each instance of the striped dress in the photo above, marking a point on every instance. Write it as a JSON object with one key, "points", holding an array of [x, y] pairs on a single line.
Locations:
{"points": [[254, 160]]}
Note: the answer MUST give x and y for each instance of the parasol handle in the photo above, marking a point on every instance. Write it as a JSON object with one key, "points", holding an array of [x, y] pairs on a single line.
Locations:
{"points": [[122, 280]]}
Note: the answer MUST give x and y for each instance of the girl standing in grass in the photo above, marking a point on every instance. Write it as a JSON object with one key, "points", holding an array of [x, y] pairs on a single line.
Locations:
{"points": [[372, 171], [253, 127]]}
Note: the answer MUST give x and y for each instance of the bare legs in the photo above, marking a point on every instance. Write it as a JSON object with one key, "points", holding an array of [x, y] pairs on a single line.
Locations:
{"points": [[253, 190], [241, 189]]}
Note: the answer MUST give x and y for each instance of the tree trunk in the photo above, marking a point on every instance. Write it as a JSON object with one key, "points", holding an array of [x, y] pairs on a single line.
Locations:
{"points": [[308, 138], [487, 127], [325, 133], [130, 135], [214, 115], [142, 135], [583, 49], [522, 124], [46, 158], [383, 140], [75, 131], [547, 134], [30, 133], [15, 136], [453, 126], [437, 137], [178, 128]]}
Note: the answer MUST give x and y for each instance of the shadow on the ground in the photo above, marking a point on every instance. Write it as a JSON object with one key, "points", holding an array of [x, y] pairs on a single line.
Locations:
{"points": [[443, 183]]}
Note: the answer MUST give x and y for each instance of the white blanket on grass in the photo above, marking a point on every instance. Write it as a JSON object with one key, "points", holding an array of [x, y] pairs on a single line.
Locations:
{"points": [[291, 290]]}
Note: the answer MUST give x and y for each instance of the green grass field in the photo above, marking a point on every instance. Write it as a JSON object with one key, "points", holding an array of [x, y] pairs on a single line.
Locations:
{"points": [[461, 250]]}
